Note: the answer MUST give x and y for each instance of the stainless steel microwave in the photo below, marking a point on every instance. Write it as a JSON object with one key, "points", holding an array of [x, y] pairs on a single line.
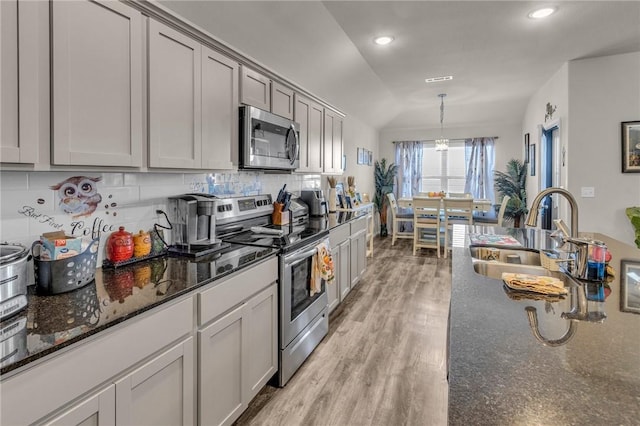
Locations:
{"points": [[268, 141]]}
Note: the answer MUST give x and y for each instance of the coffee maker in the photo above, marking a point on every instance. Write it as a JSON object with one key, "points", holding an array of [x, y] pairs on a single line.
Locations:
{"points": [[314, 198], [193, 220]]}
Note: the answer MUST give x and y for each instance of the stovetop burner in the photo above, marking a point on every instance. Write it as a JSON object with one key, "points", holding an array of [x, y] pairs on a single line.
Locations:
{"points": [[292, 237]]}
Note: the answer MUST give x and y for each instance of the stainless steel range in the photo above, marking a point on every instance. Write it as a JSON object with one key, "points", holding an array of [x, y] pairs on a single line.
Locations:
{"points": [[304, 318]]}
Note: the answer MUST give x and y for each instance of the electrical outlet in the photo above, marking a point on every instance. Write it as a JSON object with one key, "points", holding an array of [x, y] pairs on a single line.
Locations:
{"points": [[588, 192]]}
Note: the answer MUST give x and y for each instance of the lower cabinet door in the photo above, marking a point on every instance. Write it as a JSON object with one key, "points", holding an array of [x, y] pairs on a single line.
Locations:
{"points": [[98, 410], [222, 363], [333, 291], [160, 391], [344, 271], [262, 353]]}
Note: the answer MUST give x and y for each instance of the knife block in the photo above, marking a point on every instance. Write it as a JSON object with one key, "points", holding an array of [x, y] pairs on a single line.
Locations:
{"points": [[280, 217]]}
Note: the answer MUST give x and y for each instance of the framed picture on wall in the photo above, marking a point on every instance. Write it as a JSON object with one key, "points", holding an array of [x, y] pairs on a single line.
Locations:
{"points": [[630, 286], [360, 156], [370, 158], [532, 159], [630, 146], [526, 148]]}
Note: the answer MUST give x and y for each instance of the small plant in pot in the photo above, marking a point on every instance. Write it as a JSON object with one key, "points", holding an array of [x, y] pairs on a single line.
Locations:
{"points": [[384, 178], [514, 184]]}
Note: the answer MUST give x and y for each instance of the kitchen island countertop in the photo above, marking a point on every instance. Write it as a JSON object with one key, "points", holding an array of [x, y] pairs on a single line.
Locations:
{"points": [[500, 373]]}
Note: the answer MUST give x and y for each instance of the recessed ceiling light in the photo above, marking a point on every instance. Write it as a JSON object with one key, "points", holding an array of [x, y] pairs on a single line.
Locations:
{"points": [[542, 13], [438, 79], [383, 40]]}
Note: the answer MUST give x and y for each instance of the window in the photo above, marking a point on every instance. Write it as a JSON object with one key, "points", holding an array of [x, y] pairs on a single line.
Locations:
{"points": [[443, 170]]}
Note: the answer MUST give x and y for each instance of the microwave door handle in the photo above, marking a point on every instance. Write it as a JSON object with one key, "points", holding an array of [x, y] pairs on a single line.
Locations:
{"points": [[296, 146]]}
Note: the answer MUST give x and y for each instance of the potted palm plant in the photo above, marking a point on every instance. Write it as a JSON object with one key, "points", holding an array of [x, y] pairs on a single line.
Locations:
{"points": [[384, 178], [513, 183]]}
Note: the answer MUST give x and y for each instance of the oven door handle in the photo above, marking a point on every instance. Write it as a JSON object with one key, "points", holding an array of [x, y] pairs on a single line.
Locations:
{"points": [[295, 257]]}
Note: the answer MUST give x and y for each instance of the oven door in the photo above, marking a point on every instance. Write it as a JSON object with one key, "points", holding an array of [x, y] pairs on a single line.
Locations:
{"points": [[268, 140], [297, 306]]}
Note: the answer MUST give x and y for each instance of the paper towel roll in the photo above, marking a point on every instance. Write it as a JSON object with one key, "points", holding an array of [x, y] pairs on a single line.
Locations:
{"points": [[332, 199]]}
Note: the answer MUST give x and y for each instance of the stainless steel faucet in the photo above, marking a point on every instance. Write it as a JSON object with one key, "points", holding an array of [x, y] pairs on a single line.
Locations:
{"points": [[533, 212]]}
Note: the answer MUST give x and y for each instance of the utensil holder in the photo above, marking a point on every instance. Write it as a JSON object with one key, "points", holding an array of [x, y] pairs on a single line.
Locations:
{"points": [[63, 275], [280, 217]]}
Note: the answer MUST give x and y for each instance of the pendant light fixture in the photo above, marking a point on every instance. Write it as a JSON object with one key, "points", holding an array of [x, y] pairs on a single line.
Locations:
{"points": [[442, 144]]}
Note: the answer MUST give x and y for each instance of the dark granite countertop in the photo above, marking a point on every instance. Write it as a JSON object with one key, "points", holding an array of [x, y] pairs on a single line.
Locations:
{"points": [[52, 322], [500, 373]]}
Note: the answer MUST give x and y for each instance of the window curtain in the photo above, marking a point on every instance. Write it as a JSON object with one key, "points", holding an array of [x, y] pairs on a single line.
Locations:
{"points": [[480, 158], [409, 162]]}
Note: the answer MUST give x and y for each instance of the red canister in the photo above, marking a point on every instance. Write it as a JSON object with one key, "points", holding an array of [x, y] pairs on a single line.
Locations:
{"points": [[120, 245]]}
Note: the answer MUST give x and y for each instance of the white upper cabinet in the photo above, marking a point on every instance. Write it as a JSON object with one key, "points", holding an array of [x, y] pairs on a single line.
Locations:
{"points": [[255, 89], [24, 72], [332, 142], [219, 110], [308, 115], [193, 103], [175, 88], [281, 100], [96, 84], [9, 81]]}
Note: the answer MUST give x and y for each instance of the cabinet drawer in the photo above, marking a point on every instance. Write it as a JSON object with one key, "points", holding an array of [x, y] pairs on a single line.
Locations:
{"points": [[339, 234], [44, 388], [226, 294], [358, 224]]}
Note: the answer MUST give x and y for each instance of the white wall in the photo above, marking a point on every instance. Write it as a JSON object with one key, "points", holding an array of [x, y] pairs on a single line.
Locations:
{"points": [[509, 144], [556, 92], [593, 96], [357, 134], [603, 92]]}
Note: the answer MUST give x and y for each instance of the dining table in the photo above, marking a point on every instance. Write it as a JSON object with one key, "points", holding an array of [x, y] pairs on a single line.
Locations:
{"points": [[479, 204]]}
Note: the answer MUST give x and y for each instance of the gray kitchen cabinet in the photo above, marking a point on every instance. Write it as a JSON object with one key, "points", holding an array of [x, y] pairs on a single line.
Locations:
{"points": [[255, 89], [175, 91], [332, 138], [261, 92], [98, 409], [262, 352], [24, 76], [222, 361], [193, 103], [144, 369], [344, 271], [309, 115], [333, 293], [339, 238], [161, 391], [358, 249], [219, 110], [238, 346], [96, 103], [282, 100], [9, 81]]}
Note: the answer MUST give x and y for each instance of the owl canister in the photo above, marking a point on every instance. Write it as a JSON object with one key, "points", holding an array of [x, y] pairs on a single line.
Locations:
{"points": [[120, 245], [141, 244]]}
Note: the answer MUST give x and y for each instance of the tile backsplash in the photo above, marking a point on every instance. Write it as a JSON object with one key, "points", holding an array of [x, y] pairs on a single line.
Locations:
{"points": [[86, 204]]}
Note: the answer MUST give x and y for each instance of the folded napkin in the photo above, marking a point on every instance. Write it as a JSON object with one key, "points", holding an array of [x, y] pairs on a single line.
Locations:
{"points": [[535, 283], [321, 268]]}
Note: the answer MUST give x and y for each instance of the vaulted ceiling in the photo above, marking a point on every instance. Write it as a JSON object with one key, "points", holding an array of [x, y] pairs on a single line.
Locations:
{"points": [[496, 54]]}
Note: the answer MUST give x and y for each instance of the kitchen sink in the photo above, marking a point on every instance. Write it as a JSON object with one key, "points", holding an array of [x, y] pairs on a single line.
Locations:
{"points": [[512, 256], [494, 269]]}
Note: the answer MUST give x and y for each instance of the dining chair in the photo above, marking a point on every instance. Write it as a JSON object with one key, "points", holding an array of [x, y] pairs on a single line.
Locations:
{"points": [[399, 219], [456, 211], [426, 223], [499, 219]]}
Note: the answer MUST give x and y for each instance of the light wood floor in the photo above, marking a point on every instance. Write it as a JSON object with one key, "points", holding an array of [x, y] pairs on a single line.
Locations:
{"points": [[384, 359]]}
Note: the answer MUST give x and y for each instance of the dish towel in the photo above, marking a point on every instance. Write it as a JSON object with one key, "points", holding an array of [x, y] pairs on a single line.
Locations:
{"points": [[535, 283], [321, 268]]}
